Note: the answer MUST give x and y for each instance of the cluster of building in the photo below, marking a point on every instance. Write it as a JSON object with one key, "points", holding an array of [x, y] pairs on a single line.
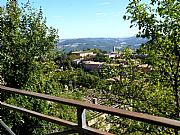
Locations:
{"points": [[90, 65]]}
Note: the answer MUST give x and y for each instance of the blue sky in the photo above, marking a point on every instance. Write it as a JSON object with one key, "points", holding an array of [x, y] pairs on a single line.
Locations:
{"points": [[86, 18]]}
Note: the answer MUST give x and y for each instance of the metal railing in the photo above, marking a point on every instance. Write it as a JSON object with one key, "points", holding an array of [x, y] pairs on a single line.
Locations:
{"points": [[8, 130], [81, 126]]}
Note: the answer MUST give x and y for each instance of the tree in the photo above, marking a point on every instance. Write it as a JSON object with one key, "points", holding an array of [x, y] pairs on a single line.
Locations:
{"points": [[102, 58], [159, 21], [27, 62], [137, 91], [25, 40]]}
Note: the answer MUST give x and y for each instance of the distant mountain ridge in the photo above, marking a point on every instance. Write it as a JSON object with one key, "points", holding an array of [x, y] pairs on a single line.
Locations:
{"points": [[105, 44]]}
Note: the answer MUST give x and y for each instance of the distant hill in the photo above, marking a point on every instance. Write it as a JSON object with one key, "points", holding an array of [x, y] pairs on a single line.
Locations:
{"points": [[105, 44]]}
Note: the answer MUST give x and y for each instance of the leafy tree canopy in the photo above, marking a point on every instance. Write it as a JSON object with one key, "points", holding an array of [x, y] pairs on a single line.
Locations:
{"points": [[25, 40], [159, 21]]}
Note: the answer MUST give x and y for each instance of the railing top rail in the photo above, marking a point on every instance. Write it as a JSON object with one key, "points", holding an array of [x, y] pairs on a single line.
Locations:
{"points": [[58, 121], [114, 111]]}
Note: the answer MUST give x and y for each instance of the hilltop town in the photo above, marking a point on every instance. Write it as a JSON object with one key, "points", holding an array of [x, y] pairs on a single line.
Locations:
{"points": [[95, 59]]}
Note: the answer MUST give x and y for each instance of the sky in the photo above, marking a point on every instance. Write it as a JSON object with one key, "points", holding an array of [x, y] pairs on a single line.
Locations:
{"points": [[86, 18]]}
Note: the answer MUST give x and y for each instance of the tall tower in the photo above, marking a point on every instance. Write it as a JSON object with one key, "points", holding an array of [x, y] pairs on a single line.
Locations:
{"points": [[114, 48]]}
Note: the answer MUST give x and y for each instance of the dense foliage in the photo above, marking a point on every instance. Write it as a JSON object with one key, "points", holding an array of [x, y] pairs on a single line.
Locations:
{"points": [[25, 40], [156, 92], [159, 21], [28, 60]]}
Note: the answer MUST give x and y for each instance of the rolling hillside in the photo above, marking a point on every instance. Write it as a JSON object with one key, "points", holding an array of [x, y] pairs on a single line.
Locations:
{"points": [[105, 44]]}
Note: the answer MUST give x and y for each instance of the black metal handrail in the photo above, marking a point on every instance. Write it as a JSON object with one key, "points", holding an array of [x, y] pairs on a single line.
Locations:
{"points": [[81, 126]]}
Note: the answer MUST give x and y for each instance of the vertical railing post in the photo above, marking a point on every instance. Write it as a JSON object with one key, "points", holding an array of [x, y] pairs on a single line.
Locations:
{"points": [[81, 115]]}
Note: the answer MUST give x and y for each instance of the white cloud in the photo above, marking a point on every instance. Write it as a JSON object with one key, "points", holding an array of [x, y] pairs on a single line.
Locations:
{"points": [[100, 13]]}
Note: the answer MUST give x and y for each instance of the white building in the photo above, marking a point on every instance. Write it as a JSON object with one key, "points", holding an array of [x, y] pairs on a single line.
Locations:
{"points": [[113, 54], [83, 54]]}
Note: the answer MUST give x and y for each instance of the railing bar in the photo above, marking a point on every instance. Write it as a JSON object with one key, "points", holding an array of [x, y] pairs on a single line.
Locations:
{"points": [[72, 125], [81, 116], [41, 116], [114, 111], [7, 128]]}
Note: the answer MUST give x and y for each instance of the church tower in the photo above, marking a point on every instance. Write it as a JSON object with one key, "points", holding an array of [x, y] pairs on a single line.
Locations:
{"points": [[114, 48]]}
